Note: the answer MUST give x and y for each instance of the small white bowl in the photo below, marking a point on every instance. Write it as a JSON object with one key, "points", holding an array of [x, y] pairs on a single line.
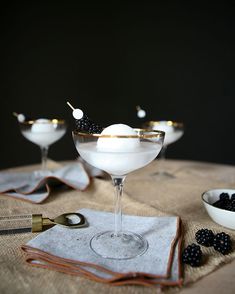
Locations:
{"points": [[222, 217]]}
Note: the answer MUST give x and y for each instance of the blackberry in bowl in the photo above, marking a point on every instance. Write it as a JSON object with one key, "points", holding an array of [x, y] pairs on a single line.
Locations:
{"points": [[220, 205]]}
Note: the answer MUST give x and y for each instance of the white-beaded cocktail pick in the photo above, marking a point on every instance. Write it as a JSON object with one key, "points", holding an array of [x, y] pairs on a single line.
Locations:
{"points": [[83, 123], [77, 113], [141, 113], [20, 116]]}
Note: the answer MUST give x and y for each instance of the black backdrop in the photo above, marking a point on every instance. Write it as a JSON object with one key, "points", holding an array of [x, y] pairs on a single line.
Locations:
{"points": [[176, 61]]}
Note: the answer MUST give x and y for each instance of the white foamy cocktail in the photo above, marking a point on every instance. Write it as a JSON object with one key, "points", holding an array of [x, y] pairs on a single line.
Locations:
{"points": [[119, 162], [172, 132], [119, 155], [43, 132]]}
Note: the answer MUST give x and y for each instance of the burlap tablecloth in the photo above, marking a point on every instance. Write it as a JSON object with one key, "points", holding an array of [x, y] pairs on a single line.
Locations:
{"points": [[145, 195]]}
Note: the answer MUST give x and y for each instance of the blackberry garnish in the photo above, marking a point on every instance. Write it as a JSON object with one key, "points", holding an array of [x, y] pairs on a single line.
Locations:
{"points": [[88, 126], [224, 196], [192, 255], [204, 237], [233, 196], [222, 243]]}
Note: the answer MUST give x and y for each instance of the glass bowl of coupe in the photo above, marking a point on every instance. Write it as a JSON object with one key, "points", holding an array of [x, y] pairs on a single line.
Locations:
{"points": [[43, 132], [173, 132]]}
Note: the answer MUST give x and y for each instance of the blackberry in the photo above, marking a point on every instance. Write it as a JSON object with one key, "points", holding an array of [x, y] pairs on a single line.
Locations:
{"points": [[192, 255], [87, 126], [231, 205], [225, 202], [204, 237], [220, 204], [224, 196], [222, 243]]}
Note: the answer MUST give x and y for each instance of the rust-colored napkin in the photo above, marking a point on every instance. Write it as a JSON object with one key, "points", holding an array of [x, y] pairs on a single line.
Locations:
{"points": [[67, 250]]}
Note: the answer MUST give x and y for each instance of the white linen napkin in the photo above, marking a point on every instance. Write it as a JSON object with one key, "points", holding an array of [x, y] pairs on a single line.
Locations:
{"points": [[35, 186], [68, 250]]}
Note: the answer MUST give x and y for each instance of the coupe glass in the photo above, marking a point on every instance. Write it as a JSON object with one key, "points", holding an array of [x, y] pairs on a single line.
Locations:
{"points": [[173, 132], [119, 155], [43, 132]]}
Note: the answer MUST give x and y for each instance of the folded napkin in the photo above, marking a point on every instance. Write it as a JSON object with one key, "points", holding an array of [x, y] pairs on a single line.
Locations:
{"points": [[67, 250], [35, 186]]}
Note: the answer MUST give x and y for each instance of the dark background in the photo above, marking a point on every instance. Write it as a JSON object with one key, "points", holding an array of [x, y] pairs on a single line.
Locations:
{"points": [[176, 61]]}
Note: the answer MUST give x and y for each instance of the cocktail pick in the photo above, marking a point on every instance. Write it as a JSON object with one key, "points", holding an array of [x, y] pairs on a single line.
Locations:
{"points": [[140, 112], [83, 122], [77, 113], [20, 116]]}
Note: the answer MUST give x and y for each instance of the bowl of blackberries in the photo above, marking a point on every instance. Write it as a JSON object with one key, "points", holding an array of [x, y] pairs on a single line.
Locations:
{"points": [[220, 205]]}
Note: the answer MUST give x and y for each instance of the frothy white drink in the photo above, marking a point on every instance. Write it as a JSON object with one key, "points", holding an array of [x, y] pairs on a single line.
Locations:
{"points": [[119, 162], [118, 144], [171, 134], [43, 133], [119, 150]]}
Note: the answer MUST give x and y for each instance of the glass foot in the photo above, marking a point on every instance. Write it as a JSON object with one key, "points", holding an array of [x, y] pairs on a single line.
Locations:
{"points": [[125, 245], [163, 175]]}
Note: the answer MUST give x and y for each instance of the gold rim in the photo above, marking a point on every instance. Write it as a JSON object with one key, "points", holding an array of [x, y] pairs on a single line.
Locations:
{"points": [[154, 134], [50, 121], [172, 123]]}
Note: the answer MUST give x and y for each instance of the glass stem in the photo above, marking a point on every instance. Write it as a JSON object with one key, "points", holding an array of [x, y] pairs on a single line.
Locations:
{"points": [[162, 159], [163, 153], [44, 152], [118, 185]]}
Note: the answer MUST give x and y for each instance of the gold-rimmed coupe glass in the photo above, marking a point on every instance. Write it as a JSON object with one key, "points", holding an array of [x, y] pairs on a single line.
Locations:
{"points": [[118, 155], [43, 132], [173, 132]]}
